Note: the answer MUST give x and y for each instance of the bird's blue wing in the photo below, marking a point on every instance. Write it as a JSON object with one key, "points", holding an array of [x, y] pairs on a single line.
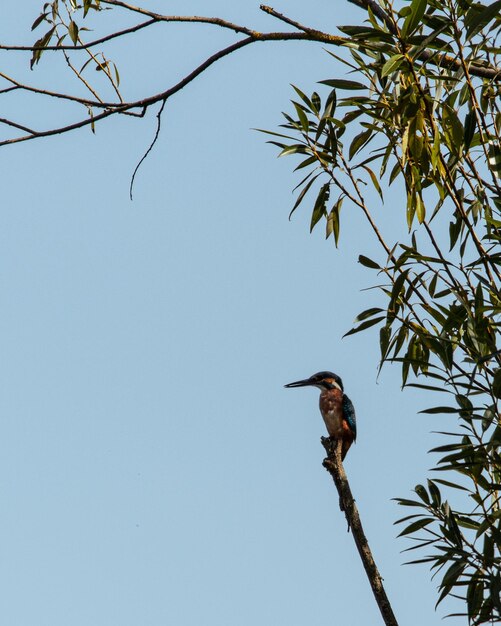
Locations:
{"points": [[349, 414]]}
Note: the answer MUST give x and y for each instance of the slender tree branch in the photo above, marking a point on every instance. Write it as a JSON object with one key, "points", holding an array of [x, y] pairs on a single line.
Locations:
{"points": [[7, 122], [150, 147], [114, 108], [287, 20], [334, 466], [85, 46]]}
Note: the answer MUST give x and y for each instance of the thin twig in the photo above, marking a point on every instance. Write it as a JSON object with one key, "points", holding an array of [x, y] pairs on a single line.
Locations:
{"points": [[284, 18], [84, 46], [7, 122], [150, 147], [334, 466]]}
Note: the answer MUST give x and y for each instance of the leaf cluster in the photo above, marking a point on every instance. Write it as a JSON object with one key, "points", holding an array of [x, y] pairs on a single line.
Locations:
{"points": [[436, 128], [60, 19]]}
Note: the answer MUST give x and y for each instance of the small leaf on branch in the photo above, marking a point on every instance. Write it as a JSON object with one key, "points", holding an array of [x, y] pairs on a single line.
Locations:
{"points": [[496, 383], [73, 32], [440, 409], [417, 525], [364, 260], [333, 221], [319, 208], [367, 313], [375, 181], [392, 64], [38, 21], [339, 83], [365, 325], [302, 194], [413, 20]]}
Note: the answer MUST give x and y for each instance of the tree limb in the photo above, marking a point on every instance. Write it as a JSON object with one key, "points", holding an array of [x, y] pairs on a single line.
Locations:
{"points": [[129, 108], [84, 46], [334, 466], [117, 107]]}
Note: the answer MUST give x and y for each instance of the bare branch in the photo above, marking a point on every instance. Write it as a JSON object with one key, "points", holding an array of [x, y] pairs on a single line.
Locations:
{"points": [[3, 120], [158, 17], [150, 148], [284, 18], [334, 466]]}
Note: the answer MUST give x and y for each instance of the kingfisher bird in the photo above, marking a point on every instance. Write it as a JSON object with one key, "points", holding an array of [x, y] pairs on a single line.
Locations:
{"points": [[335, 406]]}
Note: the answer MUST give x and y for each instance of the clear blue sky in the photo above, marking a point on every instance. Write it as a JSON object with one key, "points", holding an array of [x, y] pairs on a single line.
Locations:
{"points": [[154, 471]]}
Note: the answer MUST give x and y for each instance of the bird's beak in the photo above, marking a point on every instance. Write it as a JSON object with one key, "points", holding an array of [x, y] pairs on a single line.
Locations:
{"points": [[301, 383]]}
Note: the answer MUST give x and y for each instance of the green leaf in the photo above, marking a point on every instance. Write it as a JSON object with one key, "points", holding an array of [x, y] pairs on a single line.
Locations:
{"points": [[319, 208], [303, 120], [366, 33], [397, 288], [360, 141], [38, 21], [330, 104], [474, 597], [364, 260], [384, 340], [449, 484], [453, 129], [41, 44], [417, 525], [297, 148], [367, 313], [420, 208], [476, 19], [435, 493], [406, 502], [316, 103], [496, 383], [470, 124], [375, 181], [333, 222], [413, 20], [453, 573], [306, 162], [339, 83], [302, 194], [440, 409], [365, 325], [117, 75], [422, 493], [392, 64], [303, 97], [73, 32]]}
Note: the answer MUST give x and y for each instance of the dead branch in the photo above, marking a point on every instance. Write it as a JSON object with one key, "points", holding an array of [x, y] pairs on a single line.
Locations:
{"points": [[334, 466]]}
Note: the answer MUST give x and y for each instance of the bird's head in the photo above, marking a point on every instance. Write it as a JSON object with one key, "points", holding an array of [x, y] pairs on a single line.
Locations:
{"points": [[322, 380]]}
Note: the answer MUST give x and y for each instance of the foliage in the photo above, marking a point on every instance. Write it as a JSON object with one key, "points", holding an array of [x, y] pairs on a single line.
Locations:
{"points": [[421, 109], [59, 18], [424, 110]]}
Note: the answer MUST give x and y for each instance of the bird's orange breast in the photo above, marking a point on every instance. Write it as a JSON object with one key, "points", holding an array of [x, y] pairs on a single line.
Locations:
{"points": [[331, 407]]}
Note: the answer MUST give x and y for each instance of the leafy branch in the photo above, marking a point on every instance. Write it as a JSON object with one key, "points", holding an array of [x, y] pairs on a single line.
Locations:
{"points": [[438, 131]]}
